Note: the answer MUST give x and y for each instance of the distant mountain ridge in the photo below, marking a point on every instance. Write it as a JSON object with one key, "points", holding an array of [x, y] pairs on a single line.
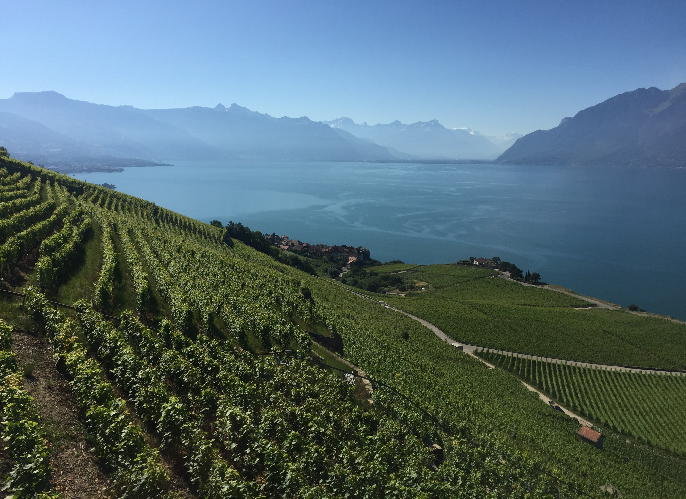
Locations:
{"points": [[644, 127], [48, 124], [424, 139]]}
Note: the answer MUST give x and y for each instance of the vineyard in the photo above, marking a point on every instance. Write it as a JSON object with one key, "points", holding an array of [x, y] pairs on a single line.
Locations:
{"points": [[647, 406], [473, 307], [189, 358]]}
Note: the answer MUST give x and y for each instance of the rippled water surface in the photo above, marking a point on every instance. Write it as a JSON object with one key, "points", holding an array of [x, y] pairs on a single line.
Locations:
{"points": [[617, 234]]}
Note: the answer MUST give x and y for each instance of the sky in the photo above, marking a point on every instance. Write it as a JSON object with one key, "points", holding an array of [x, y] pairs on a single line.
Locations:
{"points": [[492, 66]]}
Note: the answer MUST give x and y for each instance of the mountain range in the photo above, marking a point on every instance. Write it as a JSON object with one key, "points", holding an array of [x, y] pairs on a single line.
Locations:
{"points": [[426, 139], [644, 127], [49, 128], [47, 124]]}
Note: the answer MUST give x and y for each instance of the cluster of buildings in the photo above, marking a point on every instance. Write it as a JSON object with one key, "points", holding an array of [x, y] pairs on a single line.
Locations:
{"points": [[358, 254], [482, 262]]}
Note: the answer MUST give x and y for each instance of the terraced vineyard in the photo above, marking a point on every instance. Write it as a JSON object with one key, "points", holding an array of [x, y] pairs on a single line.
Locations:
{"points": [[474, 307], [650, 407], [190, 360]]}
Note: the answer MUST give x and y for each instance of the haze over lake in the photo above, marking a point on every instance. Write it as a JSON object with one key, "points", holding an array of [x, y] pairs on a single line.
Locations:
{"points": [[617, 234]]}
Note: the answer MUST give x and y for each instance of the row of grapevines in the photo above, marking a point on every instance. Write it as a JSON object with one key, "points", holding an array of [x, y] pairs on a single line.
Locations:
{"points": [[185, 278], [180, 432], [138, 472], [10, 207], [136, 270], [61, 249], [51, 244], [22, 220], [105, 283], [30, 476], [181, 311], [29, 238], [22, 184], [649, 406], [10, 179], [13, 194]]}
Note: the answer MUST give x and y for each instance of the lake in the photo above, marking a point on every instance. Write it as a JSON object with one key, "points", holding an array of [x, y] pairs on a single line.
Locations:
{"points": [[614, 233]]}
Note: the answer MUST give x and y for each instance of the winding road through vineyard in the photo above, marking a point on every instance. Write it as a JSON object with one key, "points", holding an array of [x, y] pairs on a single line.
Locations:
{"points": [[169, 349], [471, 349]]}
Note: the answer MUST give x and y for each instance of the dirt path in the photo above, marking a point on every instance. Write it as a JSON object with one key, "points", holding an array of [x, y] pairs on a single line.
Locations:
{"points": [[470, 349], [362, 376], [597, 303], [76, 471], [605, 367]]}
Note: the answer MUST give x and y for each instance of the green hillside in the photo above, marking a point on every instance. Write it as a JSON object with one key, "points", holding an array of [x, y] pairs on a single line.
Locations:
{"points": [[647, 406], [474, 306], [188, 361]]}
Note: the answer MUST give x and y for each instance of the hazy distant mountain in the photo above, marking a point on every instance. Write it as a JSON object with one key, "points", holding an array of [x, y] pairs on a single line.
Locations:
{"points": [[254, 135], [20, 136], [55, 125], [427, 140], [106, 130], [30, 141], [646, 127]]}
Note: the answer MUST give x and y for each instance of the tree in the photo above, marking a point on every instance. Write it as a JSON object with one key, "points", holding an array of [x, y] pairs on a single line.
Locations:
{"points": [[535, 277], [217, 223], [633, 308], [515, 272], [4, 153]]}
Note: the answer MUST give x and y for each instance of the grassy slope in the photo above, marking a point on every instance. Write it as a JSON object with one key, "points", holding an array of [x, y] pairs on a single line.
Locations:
{"points": [[476, 309]]}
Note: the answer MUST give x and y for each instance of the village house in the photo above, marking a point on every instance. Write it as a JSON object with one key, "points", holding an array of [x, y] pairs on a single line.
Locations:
{"points": [[358, 254], [481, 262], [590, 436]]}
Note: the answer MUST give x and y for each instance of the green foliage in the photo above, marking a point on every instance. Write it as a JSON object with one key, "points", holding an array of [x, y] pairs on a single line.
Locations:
{"points": [[472, 307], [60, 252], [242, 425], [9, 208], [28, 238], [256, 240], [119, 442], [21, 430], [136, 269], [104, 287], [370, 280], [647, 406]]}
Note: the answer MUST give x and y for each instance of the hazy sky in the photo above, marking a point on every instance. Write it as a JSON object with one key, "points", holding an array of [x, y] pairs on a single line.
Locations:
{"points": [[491, 66]]}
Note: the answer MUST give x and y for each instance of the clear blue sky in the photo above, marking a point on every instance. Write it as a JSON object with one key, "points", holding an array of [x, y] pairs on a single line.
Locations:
{"points": [[491, 66]]}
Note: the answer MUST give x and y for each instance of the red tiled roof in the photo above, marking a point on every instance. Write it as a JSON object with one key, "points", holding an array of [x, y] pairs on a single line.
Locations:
{"points": [[588, 434]]}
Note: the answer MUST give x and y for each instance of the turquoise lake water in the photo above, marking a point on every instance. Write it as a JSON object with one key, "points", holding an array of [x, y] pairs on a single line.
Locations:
{"points": [[614, 233]]}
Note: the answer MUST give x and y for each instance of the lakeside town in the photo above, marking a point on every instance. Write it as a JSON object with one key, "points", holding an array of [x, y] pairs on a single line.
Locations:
{"points": [[352, 254]]}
